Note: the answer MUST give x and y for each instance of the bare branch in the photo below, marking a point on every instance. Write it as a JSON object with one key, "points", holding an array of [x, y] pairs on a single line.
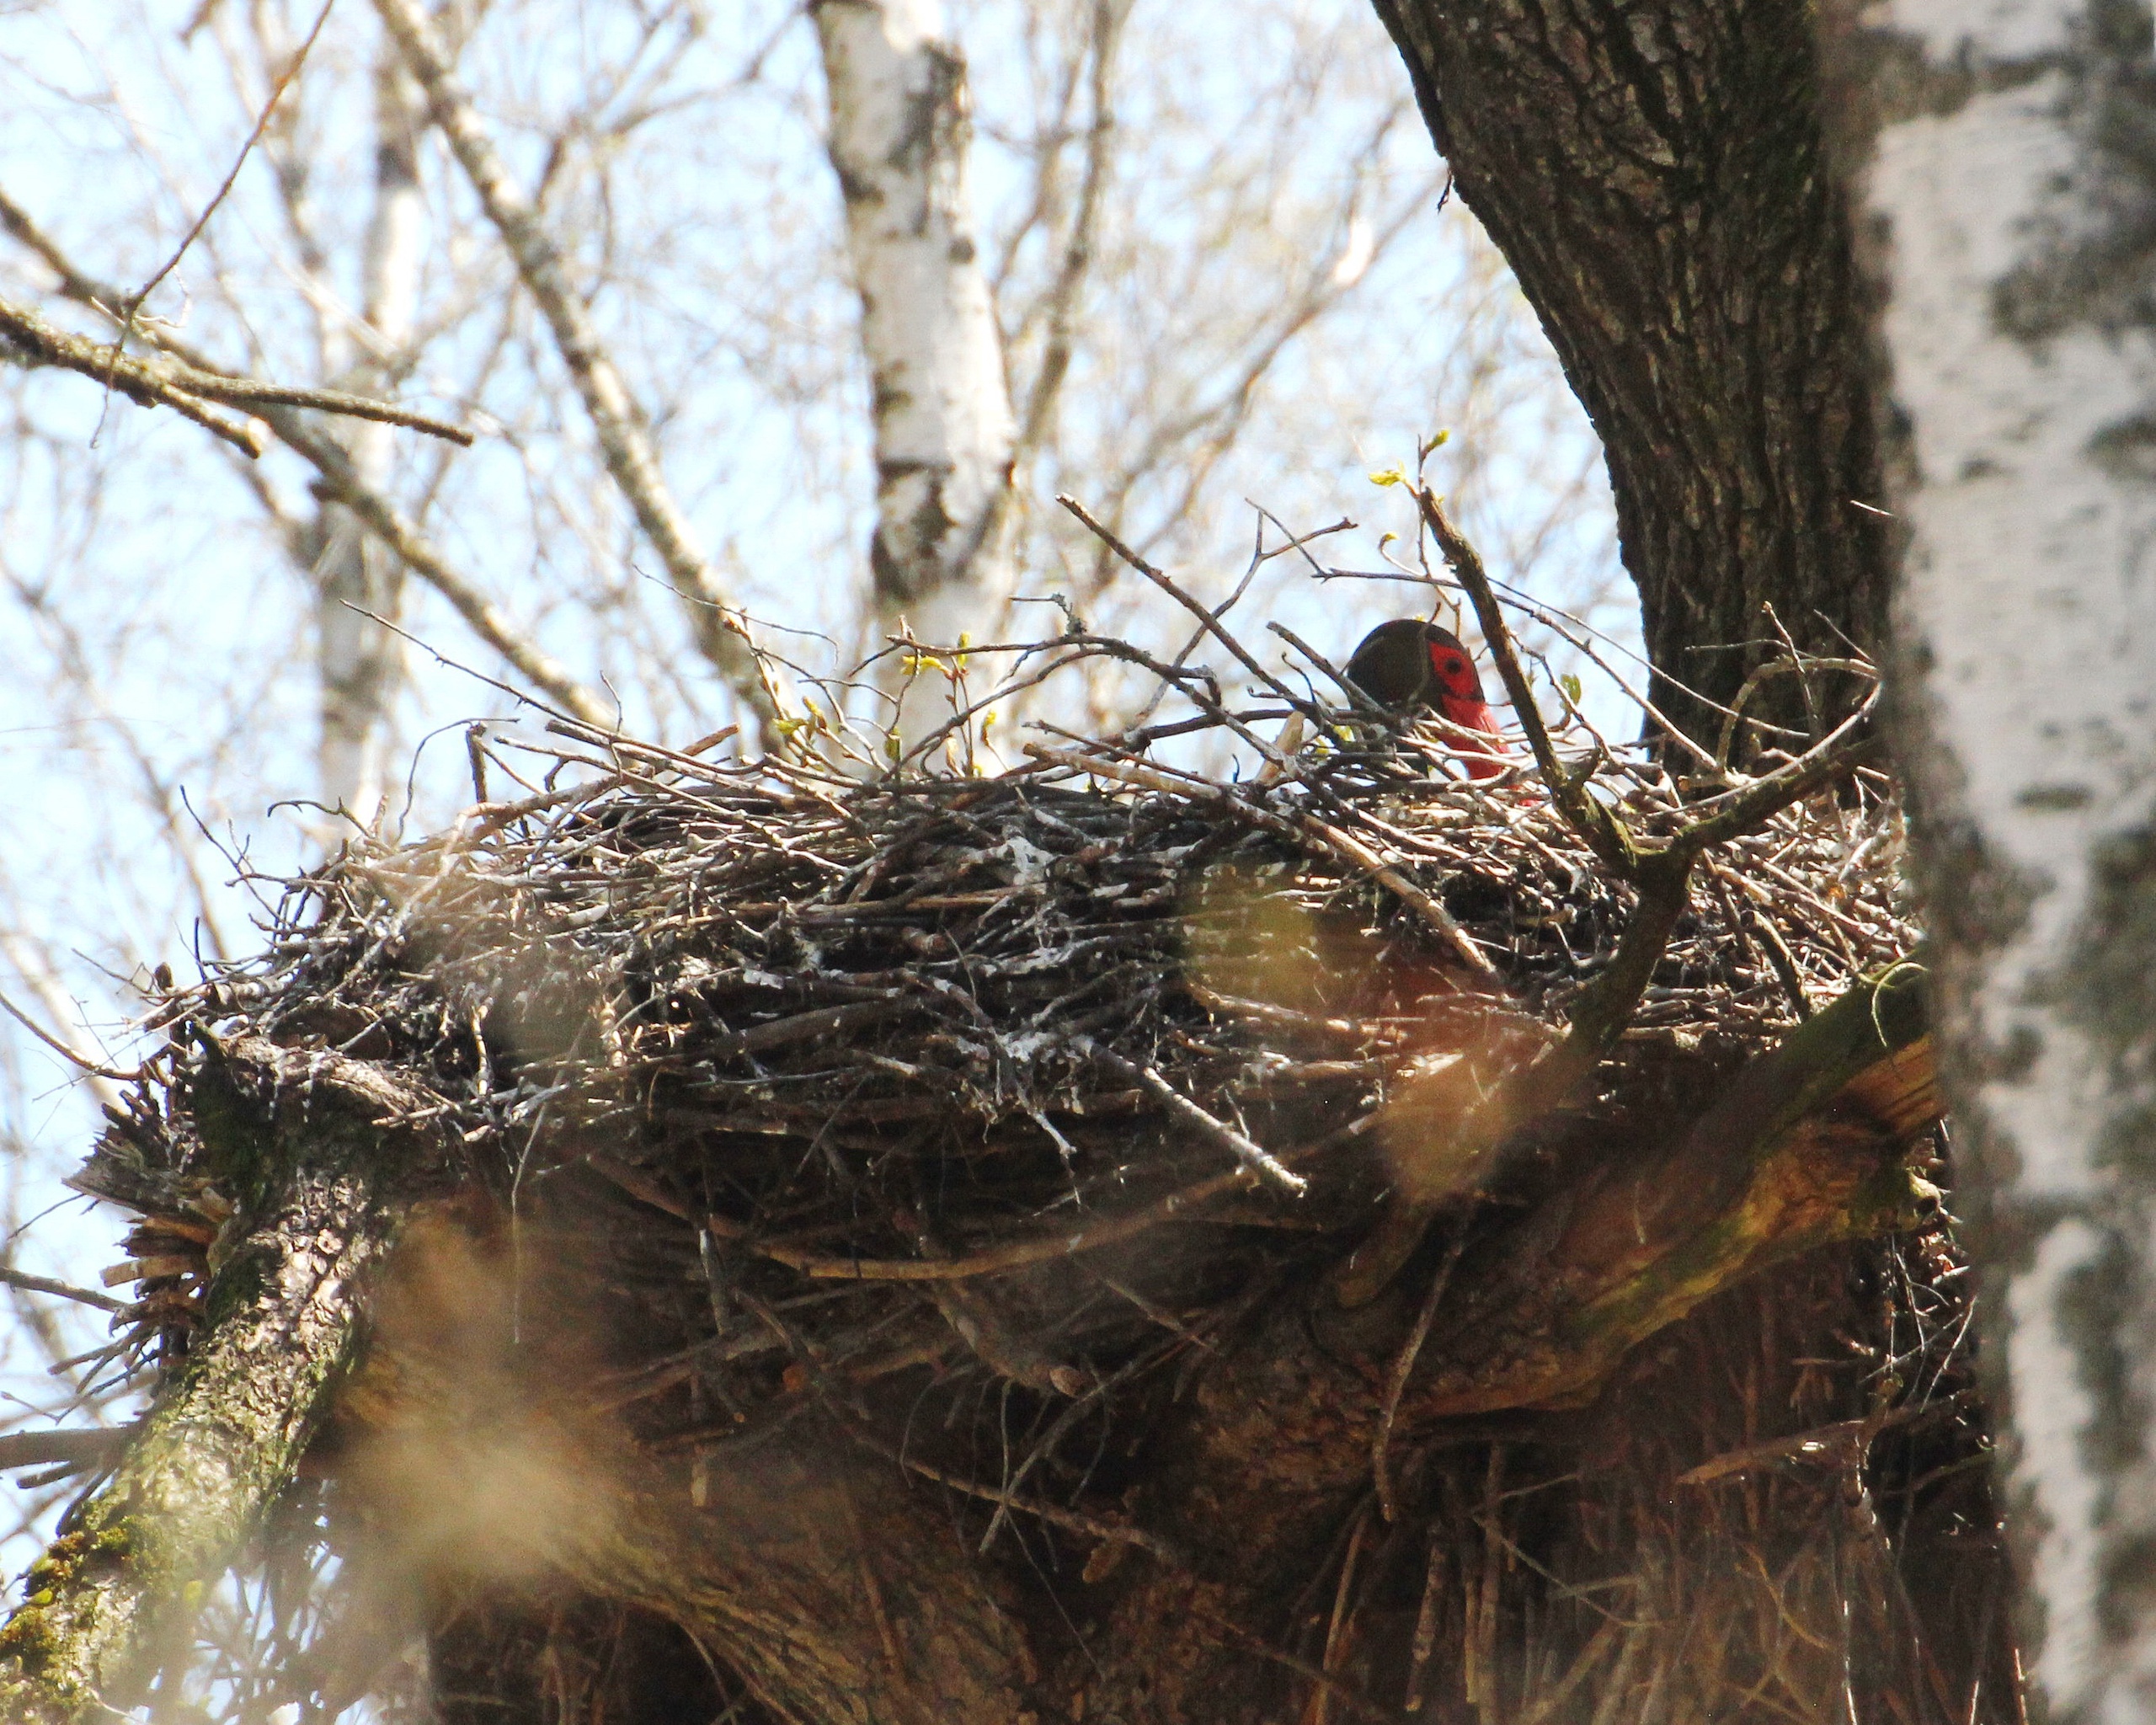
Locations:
{"points": [[340, 480], [31, 342], [1061, 301], [720, 631], [1206, 620], [63, 1290], [154, 382], [1607, 835], [247, 393], [291, 70]]}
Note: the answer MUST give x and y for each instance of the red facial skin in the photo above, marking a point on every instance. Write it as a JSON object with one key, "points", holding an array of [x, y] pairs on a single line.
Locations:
{"points": [[1461, 703], [1412, 665]]}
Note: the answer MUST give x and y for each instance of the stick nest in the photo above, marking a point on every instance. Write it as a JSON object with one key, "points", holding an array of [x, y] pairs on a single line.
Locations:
{"points": [[846, 1031]]}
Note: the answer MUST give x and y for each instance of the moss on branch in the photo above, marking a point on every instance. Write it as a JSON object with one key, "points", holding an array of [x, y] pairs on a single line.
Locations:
{"points": [[117, 1592]]}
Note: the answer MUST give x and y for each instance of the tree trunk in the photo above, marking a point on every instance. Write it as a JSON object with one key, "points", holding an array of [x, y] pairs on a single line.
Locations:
{"points": [[325, 1190], [900, 135], [2010, 189], [357, 580], [1655, 176]]}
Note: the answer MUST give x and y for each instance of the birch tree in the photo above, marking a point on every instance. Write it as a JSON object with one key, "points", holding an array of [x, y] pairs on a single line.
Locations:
{"points": [[359, 581], [900, 136], [2013, 200]]}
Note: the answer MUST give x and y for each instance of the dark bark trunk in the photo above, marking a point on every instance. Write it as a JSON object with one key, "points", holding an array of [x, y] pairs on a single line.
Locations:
{"points": [[1655, 178]]}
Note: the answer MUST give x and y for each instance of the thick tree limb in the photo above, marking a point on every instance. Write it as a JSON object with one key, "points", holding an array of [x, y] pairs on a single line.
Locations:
{"points": [[1803, 1149], [717, 625], [838, 1594], [1806, 1148], [312, 1139]]}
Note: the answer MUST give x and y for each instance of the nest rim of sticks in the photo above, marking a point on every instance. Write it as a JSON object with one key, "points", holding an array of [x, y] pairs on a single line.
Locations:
{"points": [[699, 950], [828, 1094]]}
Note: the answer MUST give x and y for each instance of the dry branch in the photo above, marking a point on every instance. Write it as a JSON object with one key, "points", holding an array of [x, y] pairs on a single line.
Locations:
{"points": [[717, 626], [340, 480], [153, 380]]}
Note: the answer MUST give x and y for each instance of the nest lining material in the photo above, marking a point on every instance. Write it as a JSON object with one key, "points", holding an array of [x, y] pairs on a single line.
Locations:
{"points": [[933, 1031]]}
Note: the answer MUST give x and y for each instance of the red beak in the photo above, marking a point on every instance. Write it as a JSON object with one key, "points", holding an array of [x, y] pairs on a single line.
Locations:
{"points": [[1409, 663]]}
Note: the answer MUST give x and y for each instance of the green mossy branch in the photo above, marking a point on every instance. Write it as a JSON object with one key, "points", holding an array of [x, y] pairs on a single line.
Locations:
{"points": [[1793, 1157], [111, 1598]]}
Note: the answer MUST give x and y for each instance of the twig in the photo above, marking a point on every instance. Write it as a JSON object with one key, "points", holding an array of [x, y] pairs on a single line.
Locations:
{"points": [[1403, 1368], [82, 1448], [151, 380], [64, 1290], [1254, 1157], [1206, 620], [135, 301], [1018, 1254], [1345, 845], [249, 392], [341, 481], [1352, 1699], [1079, 246], [1603, 832], [31, 341], [718, 626], [78, 1061], [1070, 1521]]}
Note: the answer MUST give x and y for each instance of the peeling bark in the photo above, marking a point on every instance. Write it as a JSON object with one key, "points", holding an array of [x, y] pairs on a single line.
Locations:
{"points": [[945, 440], [2013, 213]]}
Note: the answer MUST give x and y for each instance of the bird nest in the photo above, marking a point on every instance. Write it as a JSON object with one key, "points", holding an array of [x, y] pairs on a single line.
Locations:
{"points": [[791, 1100], [856, 1031]]}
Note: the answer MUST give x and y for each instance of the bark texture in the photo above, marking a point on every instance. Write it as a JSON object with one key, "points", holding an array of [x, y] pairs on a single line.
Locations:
{"points": [[827, 1590], [822, 1574], [900, 135], [324, 1189], [1655, 178], [2011, 194]]}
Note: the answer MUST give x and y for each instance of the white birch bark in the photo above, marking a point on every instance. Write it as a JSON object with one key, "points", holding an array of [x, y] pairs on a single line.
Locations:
{"points": [[899, 137], [2015, 225], [356, 578]]}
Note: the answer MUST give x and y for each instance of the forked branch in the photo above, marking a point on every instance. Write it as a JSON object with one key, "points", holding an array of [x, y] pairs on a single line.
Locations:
{"points": [[340, 478]]}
